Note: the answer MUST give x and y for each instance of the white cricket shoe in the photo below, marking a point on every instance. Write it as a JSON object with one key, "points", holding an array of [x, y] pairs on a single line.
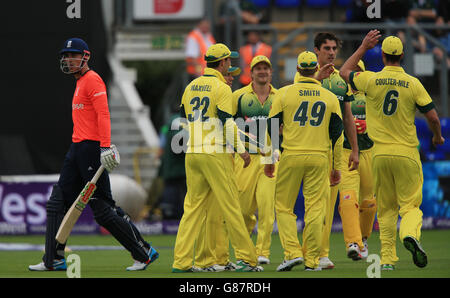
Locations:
{"points": [[137, 266], [365, 251], [263, 260], [213, 268], [230, 266], [387, 267], [353, 252], [242, 266], [287, 265], [313, 269], [325, 263], [58, 265], [196, 269]]}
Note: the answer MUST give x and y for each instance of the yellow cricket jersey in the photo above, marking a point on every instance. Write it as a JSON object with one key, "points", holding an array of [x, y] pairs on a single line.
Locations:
{"points": [[206, 103], [339, 87], [392, 97], [311, 116], [251, 115]]}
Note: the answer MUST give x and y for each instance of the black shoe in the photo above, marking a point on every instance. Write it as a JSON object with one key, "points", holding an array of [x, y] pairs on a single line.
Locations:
{"points": [[419, 255]]}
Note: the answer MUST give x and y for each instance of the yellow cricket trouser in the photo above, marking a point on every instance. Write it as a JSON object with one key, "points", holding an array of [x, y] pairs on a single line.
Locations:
{"points": [[329, 213], [213, 244], [257, 191], [357, 205], [207, 173], [313, 170], [398, 190], [209, 235]]}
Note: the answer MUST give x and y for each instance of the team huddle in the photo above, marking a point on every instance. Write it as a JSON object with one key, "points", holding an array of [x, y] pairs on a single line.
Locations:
{"points": [[347, 134]]}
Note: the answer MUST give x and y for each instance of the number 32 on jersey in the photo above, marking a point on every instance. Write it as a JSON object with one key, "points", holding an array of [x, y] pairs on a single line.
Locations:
{"points": [[199, 106]]}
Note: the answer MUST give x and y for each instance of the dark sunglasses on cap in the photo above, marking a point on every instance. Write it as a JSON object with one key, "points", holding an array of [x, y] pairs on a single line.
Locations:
{"points": [[308, 65]]}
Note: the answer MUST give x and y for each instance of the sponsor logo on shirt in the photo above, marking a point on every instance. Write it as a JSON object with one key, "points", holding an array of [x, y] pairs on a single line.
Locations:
{"points": [[77, 106]]}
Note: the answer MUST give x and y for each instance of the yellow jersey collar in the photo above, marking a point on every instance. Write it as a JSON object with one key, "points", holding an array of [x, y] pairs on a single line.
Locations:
{"points": [[212, 72], [249, 88], [394, 68], [303, 79]]}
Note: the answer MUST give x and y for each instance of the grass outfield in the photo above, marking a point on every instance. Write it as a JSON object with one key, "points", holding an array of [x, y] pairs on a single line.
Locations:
{"points": [[112, 263]]}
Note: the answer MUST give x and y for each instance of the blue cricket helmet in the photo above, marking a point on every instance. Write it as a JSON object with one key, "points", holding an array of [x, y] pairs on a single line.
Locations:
{"points": [[75, 45]]}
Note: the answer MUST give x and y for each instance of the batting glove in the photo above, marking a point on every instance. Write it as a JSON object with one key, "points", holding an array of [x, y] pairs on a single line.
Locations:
{"points": [[360, 126], [109, 157]]}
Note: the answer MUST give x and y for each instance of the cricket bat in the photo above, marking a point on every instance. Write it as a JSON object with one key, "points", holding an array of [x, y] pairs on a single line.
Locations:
{"points": [[77, 208]]}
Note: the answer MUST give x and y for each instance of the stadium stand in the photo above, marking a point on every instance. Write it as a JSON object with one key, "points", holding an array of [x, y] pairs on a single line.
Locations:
{"points": [[318, 3], [287, 3], [426, 147]]}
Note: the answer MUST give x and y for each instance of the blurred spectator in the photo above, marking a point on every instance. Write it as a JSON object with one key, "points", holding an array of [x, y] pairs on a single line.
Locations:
{"points": [[422, 11], [197, 43], [254, 47], [395, 11], [443, 17], [443, 11], [250, 14], [172, 171]]}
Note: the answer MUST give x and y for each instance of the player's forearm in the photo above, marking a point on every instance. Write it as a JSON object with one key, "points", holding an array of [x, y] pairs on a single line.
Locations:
{"points": [[351, 63], [350, 131], [104, 130], [273, 131], [231, 131], [232, 135], [103, 121], [338, 163], [335, 130], [433, 122]]}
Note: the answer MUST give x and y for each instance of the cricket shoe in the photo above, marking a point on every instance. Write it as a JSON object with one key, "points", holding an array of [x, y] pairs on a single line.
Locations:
{"points": [[419, 255], [312, 269], [213, 268], [58, 265], [287, 265], [353, 252], [193, 269], [263, 260], [325, 263], [152, 256], [365, 251], [242, 266], [230, 266], [387, 267]]}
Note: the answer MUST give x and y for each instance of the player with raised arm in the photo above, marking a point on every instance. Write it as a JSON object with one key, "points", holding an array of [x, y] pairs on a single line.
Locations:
{"points": [[392, 97], [312, 126], [207, 106], [90, 148], [357, 204], [326, 47]]}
